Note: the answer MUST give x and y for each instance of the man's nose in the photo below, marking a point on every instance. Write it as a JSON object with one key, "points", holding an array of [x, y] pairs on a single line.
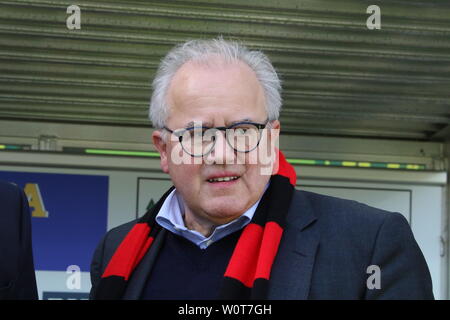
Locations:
{"points": [[222, 152]]}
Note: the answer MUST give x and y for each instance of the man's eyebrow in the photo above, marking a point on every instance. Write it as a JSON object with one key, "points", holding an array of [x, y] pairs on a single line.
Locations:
{"points": [[242, 120], [209, 124]]}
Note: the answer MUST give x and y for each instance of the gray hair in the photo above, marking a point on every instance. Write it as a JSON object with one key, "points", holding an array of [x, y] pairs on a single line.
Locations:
{"points": [[200, 51]]}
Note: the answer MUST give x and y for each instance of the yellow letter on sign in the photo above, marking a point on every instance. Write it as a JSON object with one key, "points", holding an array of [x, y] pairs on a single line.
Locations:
{"points": [[35, 200]]}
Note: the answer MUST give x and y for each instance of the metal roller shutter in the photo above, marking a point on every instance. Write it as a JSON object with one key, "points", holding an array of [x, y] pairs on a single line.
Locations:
{"points": [[339, 78]]}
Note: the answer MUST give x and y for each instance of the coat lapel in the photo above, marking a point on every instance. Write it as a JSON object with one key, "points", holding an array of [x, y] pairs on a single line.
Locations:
{"points": [[139, 277], [292, 270]]}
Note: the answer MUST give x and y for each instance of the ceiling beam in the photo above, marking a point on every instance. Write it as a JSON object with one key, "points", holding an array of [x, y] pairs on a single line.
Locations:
{"points": [[442, 134]]}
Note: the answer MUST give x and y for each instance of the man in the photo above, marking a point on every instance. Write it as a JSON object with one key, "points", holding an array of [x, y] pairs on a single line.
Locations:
{"points": [[17, 278], [232, 229]]}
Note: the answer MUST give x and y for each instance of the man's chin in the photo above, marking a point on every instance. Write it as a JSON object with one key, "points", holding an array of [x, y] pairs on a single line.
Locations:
{"points": [[224, 212]]}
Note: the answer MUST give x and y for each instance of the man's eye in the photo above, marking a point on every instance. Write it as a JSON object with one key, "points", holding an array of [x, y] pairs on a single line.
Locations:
{"points": [[241, 130]]}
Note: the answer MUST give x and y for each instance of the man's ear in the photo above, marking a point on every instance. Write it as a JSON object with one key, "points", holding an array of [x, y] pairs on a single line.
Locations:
{"points": [[274, 142], [275, 130], [161, 145]]}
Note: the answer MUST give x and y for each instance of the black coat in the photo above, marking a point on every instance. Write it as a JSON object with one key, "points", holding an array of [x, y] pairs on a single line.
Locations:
{"points": [[17, 277]]}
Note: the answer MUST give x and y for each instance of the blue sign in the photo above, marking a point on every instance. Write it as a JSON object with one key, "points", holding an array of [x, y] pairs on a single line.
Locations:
{"points": [[69, 216]]}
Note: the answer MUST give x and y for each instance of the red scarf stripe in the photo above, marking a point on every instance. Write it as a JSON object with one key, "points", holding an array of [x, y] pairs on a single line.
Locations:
{"points": [[129, 252], [243, 263], [269, 248], [285, 169]]}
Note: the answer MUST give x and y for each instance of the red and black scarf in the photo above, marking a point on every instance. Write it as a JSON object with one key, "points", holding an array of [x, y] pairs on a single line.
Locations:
{"points": [[248, 272]]}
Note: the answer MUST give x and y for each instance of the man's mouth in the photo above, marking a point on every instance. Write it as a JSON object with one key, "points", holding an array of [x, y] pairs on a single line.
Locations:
{"points": [[223, 179]]}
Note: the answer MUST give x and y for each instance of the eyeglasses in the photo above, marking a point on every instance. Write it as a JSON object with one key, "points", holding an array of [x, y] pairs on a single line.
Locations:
{"points": [[199, 141]]}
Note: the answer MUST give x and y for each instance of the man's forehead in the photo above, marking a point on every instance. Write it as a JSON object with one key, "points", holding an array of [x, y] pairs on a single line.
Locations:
{"points": [[191, 72]]}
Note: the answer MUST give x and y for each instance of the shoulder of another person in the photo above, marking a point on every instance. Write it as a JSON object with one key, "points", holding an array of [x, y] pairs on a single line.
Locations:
{"points": [[12, 209], [9, 190]]}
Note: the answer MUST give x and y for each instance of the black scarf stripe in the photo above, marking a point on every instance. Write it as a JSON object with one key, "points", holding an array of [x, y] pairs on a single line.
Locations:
{"points": [[282, 194], [234, 289]]}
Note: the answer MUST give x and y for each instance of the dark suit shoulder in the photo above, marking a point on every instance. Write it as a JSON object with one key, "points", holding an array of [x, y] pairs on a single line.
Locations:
{"points": [[346, 223], [353, 236], [344, 211], [121, 230], [114, 237]]}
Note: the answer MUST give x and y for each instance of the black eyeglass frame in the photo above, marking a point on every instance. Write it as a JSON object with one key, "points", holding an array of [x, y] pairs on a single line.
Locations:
{"points": [[259, 126]]}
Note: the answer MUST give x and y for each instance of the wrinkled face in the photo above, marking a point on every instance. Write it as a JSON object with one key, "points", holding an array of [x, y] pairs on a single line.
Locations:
{"points": [[217, 94]]}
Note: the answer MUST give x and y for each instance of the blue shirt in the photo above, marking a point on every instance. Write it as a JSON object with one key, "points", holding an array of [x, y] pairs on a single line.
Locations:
{"points": [[170, 217]]}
